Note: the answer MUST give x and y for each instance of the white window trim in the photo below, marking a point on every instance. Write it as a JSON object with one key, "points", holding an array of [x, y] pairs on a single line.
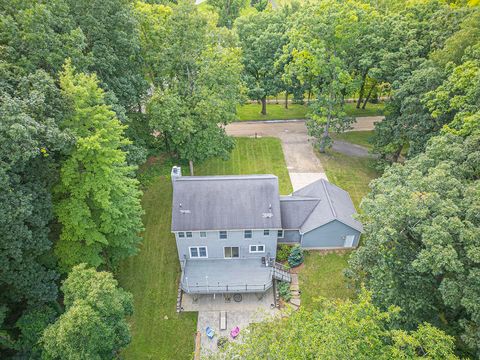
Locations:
{"points": [[266, 234], [280, 237], [181, 232], [198, 251], [238, 257], [226, 235], [200, 234], [256, 251], [245, 234]]}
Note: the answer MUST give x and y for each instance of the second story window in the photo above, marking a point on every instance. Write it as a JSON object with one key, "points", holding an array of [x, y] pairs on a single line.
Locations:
{"points": [[247, 234], [189, 234], [181, 234], [266, 232], [222, 234], [280, 234], [203, 234]]}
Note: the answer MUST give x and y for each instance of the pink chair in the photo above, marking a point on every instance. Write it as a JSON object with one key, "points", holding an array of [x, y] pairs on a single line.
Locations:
{"points": [[235, 331]]}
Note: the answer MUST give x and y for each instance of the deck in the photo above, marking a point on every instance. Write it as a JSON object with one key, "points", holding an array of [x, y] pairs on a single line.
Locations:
{"points": [[217, 276]]}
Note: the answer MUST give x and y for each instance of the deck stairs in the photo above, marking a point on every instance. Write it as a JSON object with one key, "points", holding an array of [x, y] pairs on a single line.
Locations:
{"points": [[281, 272]]}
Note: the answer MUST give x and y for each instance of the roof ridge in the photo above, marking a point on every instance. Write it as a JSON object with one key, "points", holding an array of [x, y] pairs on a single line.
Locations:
{"points": [[310, 213], [226, 177], [329, 200], [299, 198]]}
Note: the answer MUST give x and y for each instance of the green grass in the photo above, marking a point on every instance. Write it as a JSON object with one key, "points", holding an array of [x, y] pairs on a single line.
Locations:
{"points": [[323, 276], [356, 137], [274, 112], [152, 275], [297, 111], [351, 173]]}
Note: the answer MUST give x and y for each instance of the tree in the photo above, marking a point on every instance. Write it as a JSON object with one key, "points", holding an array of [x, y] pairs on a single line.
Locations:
{"points": [[30, 142], [339, 330], [316, 43], [422, 231], [261, 37], [228, 10], [98, 200], [112, 46], [93, 325], [198, 88]]}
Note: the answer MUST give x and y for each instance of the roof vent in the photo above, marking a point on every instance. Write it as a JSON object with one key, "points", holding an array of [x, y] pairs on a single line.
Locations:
{"points": [[267, 215], [184, 211]]}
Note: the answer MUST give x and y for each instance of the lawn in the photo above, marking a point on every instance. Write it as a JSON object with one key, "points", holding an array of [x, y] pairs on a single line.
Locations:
{"points": [[322, 275], [297, 111], [152, 275], [361, 138], [349, 172]]}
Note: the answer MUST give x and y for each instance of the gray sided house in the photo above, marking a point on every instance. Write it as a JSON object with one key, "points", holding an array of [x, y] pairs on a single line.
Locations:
{"points": [[227, 228]]}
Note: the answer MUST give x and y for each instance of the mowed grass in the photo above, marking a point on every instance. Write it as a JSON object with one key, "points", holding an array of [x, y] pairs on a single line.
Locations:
{"points": [[361, 138], [152, 276], [322, 276], [297, 111], [252, 156], [351, 173]]}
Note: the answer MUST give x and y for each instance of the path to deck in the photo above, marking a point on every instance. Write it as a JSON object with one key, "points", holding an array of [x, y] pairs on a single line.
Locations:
{"points": [[303, 165]]}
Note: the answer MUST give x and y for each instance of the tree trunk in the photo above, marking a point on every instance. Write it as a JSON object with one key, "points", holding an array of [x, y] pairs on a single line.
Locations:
{"points": [[397, 153], [190, 163], [323, 140], [368, 95], [308, 96], [362, 89], [286, 99], [264, 105]]}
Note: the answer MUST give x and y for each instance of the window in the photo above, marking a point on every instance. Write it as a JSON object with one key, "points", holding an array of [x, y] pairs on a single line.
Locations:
{"points": [[266, 232], [222, 234], [189, 234], [181, 234], [280, 234], [231, 252], [203, 234], [257, 248], [198, 252], [247, 234]]}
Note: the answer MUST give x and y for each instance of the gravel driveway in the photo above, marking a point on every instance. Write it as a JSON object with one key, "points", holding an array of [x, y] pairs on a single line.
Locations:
{"points": [[303, 165]]}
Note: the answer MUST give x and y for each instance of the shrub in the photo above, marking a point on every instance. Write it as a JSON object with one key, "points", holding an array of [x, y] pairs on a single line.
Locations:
{"points": [[284, 290], [296, 256], [222, 340], [283, 251]]}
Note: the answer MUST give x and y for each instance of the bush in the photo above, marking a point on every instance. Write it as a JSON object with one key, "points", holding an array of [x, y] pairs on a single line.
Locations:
{"points": [[222, 340], [283, 251], [296, 256], [284, 290]]}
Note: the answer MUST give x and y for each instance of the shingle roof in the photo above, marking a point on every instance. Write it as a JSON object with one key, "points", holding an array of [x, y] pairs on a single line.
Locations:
{"points": [[225, 203], [295, 210], [333, 203]]}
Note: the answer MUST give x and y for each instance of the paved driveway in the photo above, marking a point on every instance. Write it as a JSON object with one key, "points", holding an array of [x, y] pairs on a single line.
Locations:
{"points": [[303, 165]]}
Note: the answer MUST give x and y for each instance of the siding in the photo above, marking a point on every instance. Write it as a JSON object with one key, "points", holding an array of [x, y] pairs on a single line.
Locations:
{"points": [[331, 235], [215, 245], [290, 237]]}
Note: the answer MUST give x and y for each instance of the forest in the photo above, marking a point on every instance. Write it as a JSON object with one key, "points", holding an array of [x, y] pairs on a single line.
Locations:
{"points": [[92, 89]]}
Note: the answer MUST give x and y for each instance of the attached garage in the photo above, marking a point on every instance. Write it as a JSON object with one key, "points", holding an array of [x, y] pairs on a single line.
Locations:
{"points": [[320, 216]]}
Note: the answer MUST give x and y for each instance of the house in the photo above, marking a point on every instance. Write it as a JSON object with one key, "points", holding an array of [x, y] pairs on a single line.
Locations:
{"points": [[227, 228]]}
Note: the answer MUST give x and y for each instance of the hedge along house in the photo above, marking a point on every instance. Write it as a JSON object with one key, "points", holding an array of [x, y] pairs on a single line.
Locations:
{"points": [[227, 228]]}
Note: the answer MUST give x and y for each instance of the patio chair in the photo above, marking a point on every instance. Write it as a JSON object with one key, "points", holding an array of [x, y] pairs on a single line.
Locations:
{"points": [[210, 332], [235, 331]]}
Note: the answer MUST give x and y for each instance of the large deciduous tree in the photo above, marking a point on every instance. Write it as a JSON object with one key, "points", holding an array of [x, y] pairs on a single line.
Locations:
{"points": [[198, 87], [422, 237], [262, 36], [98, 199], [340, 330], [93, 325]]}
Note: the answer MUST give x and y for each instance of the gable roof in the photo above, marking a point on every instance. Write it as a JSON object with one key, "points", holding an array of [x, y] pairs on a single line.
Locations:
{"points": [[225, 203], [332, 203]]}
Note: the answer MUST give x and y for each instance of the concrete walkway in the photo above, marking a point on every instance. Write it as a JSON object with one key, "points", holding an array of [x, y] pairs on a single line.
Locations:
{"points": [[303, 165]]}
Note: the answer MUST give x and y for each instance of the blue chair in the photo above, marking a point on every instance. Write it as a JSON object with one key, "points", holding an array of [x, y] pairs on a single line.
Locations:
{"points": [[210, 332]]}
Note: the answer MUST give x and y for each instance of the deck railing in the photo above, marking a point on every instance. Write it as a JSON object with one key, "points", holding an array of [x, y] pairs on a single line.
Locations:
{"points": [[218, 289]]}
